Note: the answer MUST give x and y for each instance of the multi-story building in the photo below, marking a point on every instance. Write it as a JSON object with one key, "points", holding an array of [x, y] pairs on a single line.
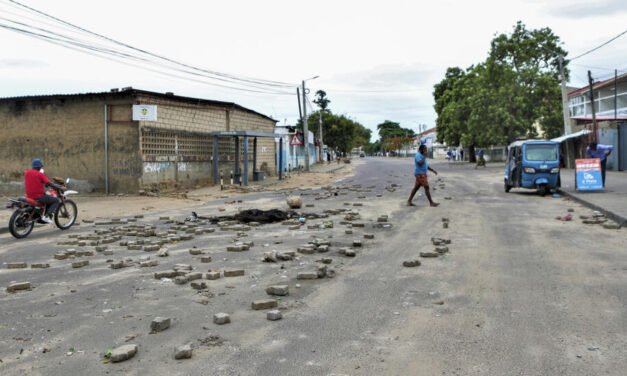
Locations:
{"points": [[610, 107]]}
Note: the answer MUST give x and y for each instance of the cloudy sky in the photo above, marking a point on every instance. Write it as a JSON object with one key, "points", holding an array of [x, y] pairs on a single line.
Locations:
{"points": [[377, 60]]}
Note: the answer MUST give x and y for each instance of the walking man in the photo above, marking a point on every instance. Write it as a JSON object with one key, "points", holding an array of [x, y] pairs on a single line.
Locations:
{"points": [[420, 172], [600, 151]]}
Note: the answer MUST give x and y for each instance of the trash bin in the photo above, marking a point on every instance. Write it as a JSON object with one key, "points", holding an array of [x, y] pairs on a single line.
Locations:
{"points": [[259, 175]]}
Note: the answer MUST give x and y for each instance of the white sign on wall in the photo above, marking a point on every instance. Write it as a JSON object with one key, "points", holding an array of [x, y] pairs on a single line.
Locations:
{"points": [[145, 112]]}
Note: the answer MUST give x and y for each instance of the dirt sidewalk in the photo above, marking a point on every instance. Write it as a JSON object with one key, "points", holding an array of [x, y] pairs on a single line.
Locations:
{"points": [[95, 206]]}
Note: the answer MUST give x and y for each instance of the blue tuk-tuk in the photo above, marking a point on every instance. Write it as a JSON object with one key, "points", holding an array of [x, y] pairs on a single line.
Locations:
{"points": [[533, 164]]}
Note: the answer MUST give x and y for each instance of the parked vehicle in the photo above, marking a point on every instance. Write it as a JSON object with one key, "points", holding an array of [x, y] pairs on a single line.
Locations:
{"points": [[533, 164], [28, 211]]}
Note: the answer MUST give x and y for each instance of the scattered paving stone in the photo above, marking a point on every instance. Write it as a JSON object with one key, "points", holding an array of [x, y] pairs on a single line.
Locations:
{"points": [[181, 280], [165, 274], [234, 272], [194, 276], [439, 302], [274, 315], [441, 250], [611, 226], [411, 263], [357, 243], [278, 290], [178, 267], [448, 198], [183, 352], [149, 263], [368, 236], [61, 256], [444, 224], [429, 254], [348, 232], [118, 264], [306, 250], [205, 259], [326, 260], [16, 265], [151, 248], [163, 252], [195, 251], [221, 318], [307, 275], [212, 275], [18, 286], [160, 324], [571, 210], [80, 264], [264, 304], [134, 247], [237, 248], [323, 248], [198, 285], [123, 353], [322, 271], [39, 266]]}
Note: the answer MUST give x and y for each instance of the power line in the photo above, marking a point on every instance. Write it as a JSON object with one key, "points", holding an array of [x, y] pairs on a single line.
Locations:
{"points": [[224, 76], [118, 57], [599, 46]]}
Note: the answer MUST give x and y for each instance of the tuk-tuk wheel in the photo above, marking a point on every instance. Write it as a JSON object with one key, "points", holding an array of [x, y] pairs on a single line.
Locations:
{"points": [[507, 188], [542, 189]]}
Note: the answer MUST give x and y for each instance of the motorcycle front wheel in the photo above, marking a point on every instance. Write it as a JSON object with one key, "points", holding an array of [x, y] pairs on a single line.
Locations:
{"points": [[20, 224], [66, 215]]}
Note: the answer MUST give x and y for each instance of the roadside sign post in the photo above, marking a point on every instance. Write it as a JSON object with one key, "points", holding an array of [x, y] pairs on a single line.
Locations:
{"points": [[588, 175]]}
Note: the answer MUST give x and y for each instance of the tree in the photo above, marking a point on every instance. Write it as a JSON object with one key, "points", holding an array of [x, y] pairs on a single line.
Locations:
{"points": [[321, 100], [503, 98], [393, 137]]}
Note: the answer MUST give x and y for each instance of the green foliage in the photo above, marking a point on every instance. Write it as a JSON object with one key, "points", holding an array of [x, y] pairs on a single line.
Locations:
{"points": [[393, 137], [503, 98], [339, 132], [321, 100]]}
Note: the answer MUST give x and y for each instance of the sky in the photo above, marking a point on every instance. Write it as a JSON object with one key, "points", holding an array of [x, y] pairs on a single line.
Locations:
{"points": [[376, 60]]}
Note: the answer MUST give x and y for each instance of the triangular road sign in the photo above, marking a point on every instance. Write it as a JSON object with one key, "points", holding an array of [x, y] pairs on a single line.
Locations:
{"points": [[296, 141]]}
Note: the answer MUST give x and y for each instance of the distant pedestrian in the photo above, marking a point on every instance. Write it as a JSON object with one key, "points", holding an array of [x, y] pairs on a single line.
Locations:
{"points": [[421, 167], [480, 159], [328, 157], [461, 154], [600, 151]]}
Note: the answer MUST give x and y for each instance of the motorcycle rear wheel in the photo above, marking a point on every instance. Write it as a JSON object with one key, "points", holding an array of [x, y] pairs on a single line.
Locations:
{"points": [[20, 224], [66, 215]]}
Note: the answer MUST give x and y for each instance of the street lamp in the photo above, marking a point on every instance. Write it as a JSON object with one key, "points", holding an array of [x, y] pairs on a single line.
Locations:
{"points": [[305, 126]]}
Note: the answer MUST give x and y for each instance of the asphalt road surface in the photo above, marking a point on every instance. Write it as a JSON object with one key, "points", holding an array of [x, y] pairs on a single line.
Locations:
{"points": [[518, 293]]}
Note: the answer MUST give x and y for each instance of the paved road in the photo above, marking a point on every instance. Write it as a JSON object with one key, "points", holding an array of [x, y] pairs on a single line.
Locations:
{"points": [[520, 293]]}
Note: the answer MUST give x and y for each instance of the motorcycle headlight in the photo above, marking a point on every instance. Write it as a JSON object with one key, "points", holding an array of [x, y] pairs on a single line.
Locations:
{"points": [[530, 170], [555, 170]]}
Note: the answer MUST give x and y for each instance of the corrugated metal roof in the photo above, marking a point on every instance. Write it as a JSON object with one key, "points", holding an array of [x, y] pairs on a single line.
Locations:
{"points": [[582, 132], [135, 92], [597, 85]]}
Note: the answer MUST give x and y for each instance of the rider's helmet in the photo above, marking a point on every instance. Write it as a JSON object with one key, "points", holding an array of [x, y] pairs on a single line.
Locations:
{"points": [[37, 163]]}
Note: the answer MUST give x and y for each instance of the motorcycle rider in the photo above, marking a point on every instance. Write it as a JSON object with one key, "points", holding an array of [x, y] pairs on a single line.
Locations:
{"points": [[35, 182]]}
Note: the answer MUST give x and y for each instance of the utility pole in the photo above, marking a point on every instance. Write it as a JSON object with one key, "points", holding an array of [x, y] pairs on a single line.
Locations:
{"points": [[320, 134], [305, 129], [567, 128], [594, 117]]}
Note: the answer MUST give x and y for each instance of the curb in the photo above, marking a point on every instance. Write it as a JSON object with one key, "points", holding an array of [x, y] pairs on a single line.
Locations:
{"points": [[622, 221]]}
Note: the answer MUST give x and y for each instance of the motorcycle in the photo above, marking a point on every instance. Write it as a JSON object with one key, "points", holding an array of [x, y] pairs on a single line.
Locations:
{"points": [[28, 211]]}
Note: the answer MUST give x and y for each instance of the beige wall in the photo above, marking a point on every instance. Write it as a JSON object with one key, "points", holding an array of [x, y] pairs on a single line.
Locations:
{"points": [[67, 132]]}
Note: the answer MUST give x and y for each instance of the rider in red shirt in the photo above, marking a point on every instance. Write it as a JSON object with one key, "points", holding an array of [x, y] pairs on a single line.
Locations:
{"points": [[34, 183]]}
